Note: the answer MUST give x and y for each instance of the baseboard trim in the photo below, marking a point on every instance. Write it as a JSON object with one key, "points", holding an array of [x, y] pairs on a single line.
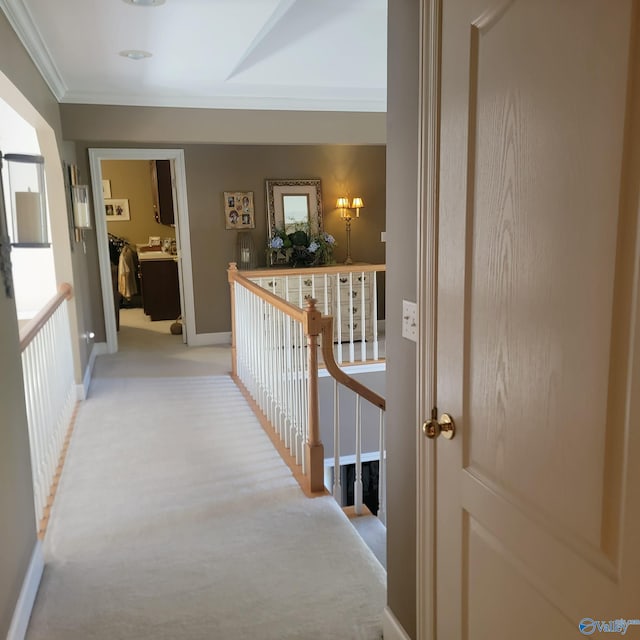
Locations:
{"points": [[391, 628], [206, 339], [98, 349], [27, 598]]}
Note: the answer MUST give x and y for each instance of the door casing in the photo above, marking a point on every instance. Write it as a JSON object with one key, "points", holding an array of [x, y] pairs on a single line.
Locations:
{"points": [[427, 292], [185, 272]]}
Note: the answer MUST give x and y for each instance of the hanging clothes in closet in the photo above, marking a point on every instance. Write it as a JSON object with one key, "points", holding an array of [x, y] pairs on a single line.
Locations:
{"points": [[127, 279], [124, 258]]}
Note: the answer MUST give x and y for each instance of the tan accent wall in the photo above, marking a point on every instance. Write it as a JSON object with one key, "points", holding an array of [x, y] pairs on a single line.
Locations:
{"points": [[131, 179], [213, 169], [402, 153]]}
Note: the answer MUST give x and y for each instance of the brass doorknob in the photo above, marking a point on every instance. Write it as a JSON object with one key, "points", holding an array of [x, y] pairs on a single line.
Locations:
{"points": [[445, 426]]}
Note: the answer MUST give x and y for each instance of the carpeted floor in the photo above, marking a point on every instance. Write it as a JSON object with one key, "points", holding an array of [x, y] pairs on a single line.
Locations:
{"points": [[175, 518]]}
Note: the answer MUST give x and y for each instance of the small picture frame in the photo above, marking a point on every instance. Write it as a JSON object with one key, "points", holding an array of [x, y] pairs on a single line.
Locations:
{"points": [[106, 189], [116, 209], [238, 210]]}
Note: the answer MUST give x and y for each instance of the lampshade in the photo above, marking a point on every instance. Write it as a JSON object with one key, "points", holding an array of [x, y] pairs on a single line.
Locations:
{"points": [[342, 203], [26, 194], [356, 204]]}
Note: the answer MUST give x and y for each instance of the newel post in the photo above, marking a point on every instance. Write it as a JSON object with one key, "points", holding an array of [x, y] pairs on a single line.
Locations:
{"points": [[313, 449], [231, 273]]}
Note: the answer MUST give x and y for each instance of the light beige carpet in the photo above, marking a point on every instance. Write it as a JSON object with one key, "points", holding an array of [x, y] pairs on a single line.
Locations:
{"points": [[175, 518]]}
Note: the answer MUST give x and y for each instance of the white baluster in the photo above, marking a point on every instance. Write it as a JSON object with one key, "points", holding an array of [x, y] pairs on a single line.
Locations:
{"points": [[382, 473], [357, 485], [301, 382], [363, 319], [338, 318], [375, 314], [352, 355], [289, 373], [337, 486], [326, 311]]}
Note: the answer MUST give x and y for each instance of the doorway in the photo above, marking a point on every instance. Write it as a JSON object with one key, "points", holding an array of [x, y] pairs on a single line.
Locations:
{"points": [[181, 255]]}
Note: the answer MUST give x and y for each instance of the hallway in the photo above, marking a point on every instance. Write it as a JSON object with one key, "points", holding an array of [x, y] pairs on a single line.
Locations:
{"points": [[176, 519]]}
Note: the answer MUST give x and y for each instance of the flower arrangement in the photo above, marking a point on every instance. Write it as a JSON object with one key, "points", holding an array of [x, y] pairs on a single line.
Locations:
{"points": [[299, 248]]}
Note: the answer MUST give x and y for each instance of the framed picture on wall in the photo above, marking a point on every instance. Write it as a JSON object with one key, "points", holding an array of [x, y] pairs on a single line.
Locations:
{"points": [[116, 209], [238, 210]]}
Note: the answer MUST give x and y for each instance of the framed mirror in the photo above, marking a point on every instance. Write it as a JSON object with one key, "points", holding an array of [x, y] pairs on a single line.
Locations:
{"points": [[292, 204]]}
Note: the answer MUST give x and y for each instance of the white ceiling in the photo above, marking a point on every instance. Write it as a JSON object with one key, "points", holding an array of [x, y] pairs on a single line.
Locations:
{"points": [[237, 54]]}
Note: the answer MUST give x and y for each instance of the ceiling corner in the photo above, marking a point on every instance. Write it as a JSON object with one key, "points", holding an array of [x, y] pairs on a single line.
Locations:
{"points": [[20, 19]]}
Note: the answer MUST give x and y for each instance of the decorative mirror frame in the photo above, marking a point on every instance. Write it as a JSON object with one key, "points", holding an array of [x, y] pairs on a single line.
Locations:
{"points": [[275, 214]]}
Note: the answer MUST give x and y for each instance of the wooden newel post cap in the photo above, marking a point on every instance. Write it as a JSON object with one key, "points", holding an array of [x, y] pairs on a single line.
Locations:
{"points": [[312, 318], [233, 266], [66, 290]]}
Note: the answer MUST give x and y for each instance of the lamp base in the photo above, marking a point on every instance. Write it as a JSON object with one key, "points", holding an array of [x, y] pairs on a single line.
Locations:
{"points": [[347, 220]]}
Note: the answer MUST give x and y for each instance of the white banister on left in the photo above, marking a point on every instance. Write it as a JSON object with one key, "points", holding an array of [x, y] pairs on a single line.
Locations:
{"points": [[49, 385]]}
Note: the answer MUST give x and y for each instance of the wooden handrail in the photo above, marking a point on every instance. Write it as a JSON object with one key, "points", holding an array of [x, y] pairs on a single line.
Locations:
{"points": [[338, 373], [33, 327], [298, 271], [286, 307]]}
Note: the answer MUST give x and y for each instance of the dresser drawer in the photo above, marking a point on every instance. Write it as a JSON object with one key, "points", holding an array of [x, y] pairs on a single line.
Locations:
{"points": [[347, 297]]}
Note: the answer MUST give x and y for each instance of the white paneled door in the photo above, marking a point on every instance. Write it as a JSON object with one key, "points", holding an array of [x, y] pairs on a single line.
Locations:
{"points": [[538, 342]]}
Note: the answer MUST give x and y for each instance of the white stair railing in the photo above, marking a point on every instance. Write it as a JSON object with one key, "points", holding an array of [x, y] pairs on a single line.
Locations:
{"points": [[274, 358], [49, 384], [349, 293]]}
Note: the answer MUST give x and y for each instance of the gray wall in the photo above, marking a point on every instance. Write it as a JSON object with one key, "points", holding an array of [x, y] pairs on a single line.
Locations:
{"points": [[17, 522], [402, 178], [212, 169], [219, 126]]}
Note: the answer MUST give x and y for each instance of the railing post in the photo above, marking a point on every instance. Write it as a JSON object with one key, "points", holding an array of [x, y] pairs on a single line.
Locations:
{"points": [[313, 448], [231, 271]]}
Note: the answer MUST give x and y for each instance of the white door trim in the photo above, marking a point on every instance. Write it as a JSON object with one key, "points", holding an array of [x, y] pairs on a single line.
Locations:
{"points": [[28, 593], [182, 234], [427, 279]]}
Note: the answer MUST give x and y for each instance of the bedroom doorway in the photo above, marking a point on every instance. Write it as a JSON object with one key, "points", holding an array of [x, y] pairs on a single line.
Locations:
{"points": [[135, 226]]}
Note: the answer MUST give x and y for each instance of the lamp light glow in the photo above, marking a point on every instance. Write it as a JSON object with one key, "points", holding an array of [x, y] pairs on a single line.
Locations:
{"points": [[342, 203], [357, 204]]}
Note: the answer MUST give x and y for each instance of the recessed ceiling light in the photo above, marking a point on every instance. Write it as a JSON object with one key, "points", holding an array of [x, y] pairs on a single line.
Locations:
{"points": [[145, 3], [135, 54]]}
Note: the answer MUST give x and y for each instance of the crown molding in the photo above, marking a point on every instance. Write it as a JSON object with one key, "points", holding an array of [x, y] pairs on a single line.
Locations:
{"points": [[22, 23], [262, 103]]}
